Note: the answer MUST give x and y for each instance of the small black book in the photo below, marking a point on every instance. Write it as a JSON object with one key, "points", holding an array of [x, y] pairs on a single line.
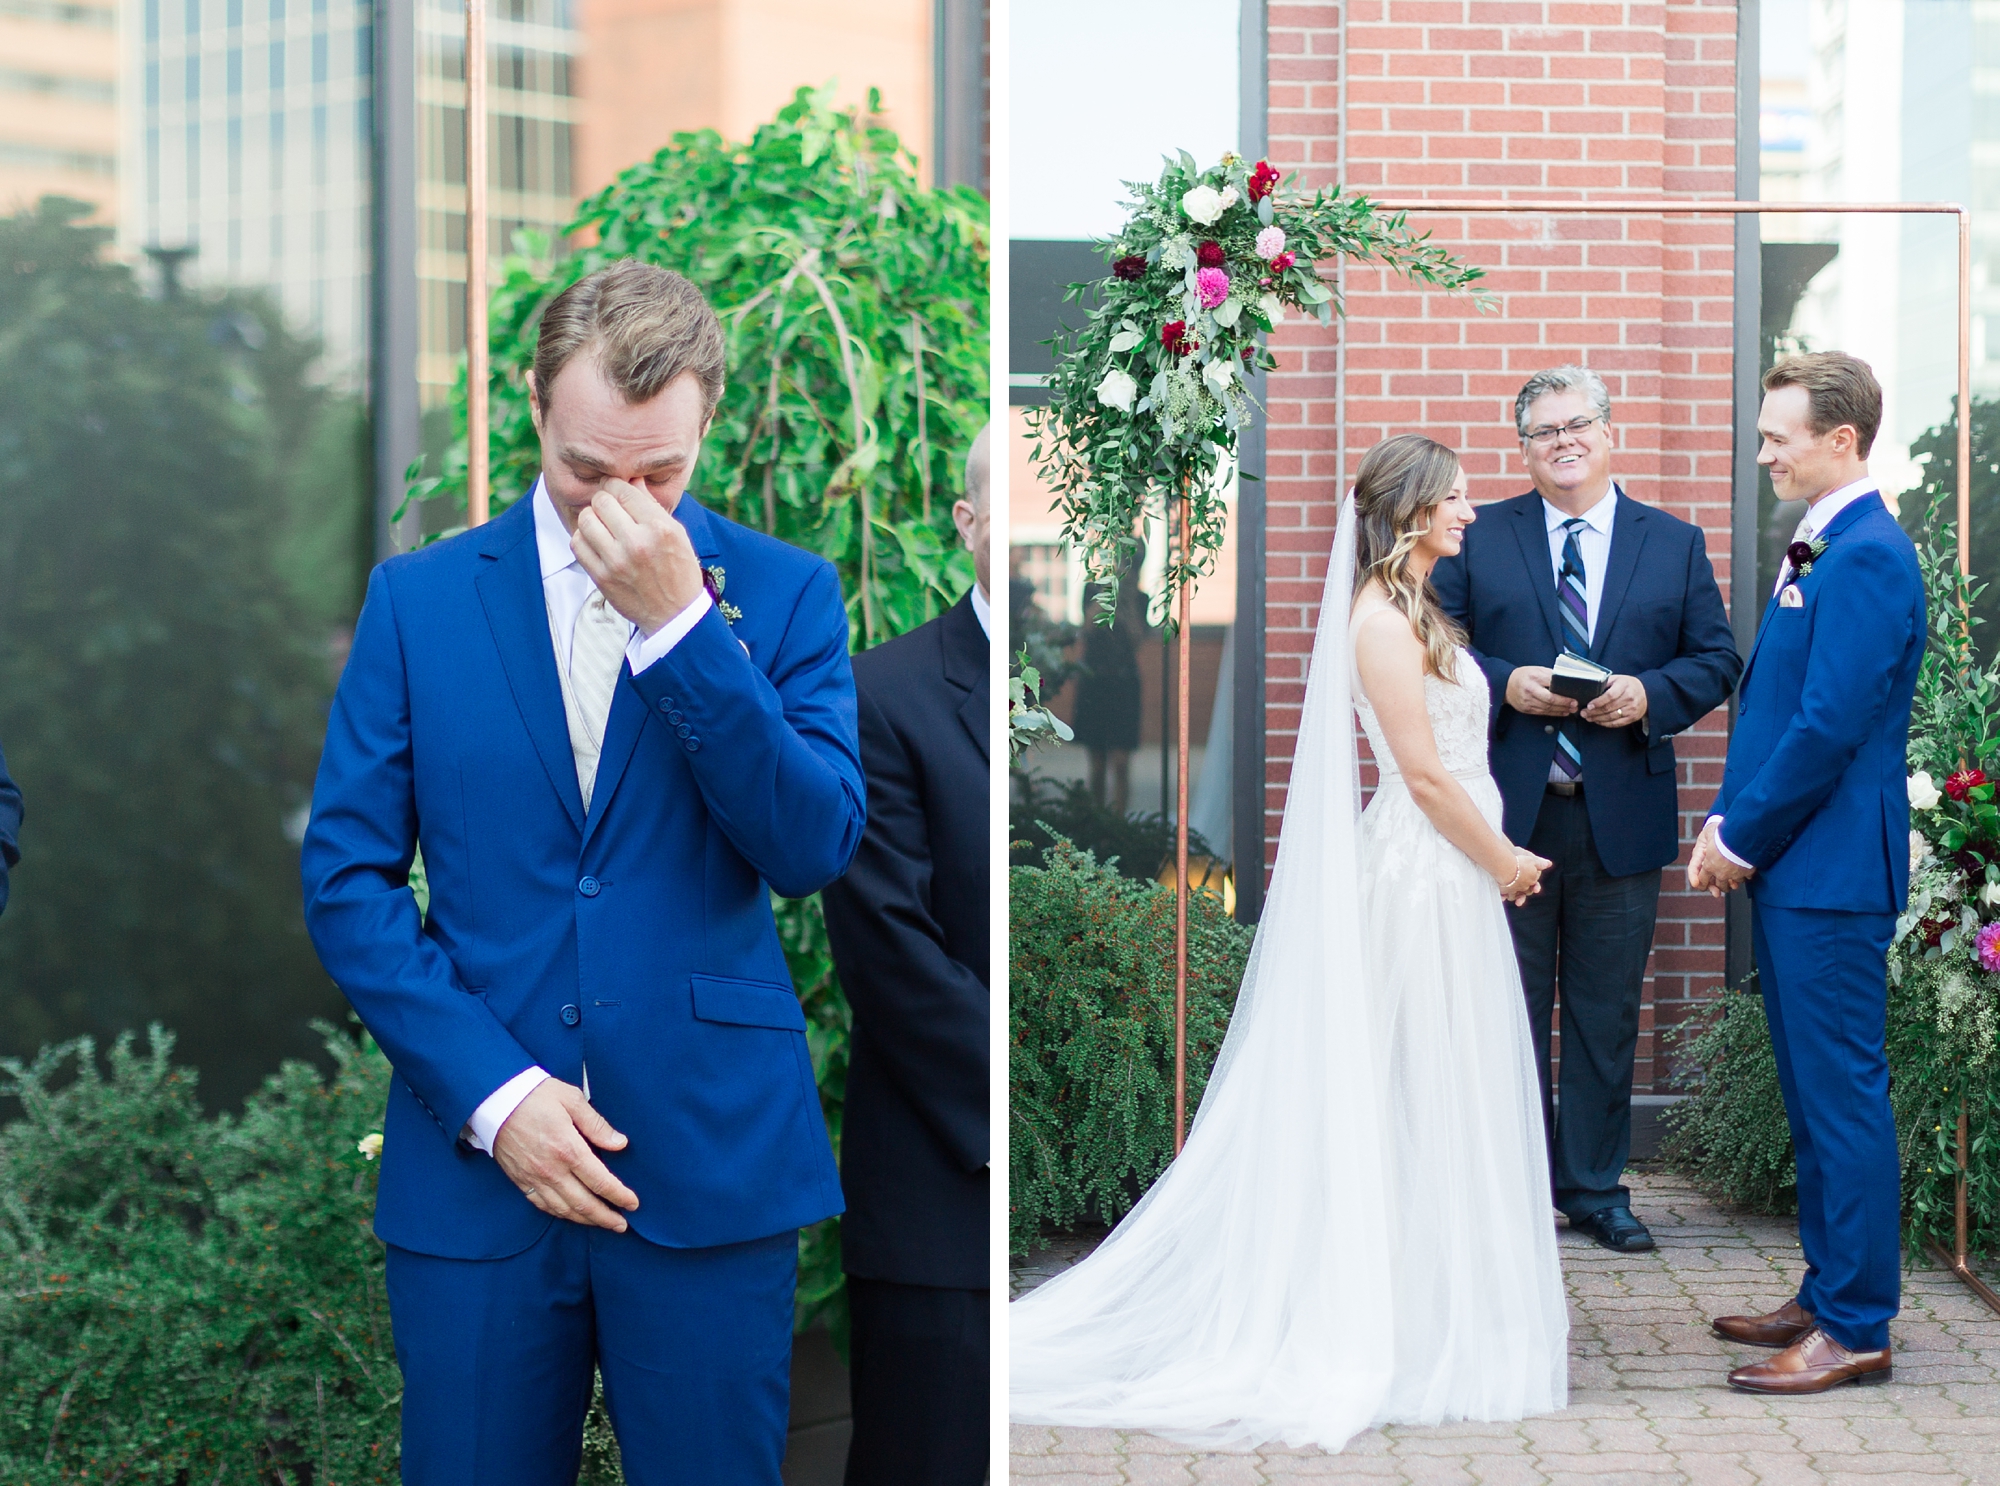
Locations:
{"points": [[1575, 676]]}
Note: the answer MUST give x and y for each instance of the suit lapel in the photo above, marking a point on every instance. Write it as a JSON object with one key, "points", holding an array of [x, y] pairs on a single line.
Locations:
{"points": [[628, 709], [1854, 511], [1534, 534], [1628, 535], [965, 656], [510, 591]]}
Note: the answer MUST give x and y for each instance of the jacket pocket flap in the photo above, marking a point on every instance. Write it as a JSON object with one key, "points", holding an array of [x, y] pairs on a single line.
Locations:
{"points": [[747, 1003], [1660, 757]]}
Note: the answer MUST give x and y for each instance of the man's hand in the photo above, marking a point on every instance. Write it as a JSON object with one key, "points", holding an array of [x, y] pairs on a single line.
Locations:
{"points": [[1709, 870], [1528, 691], [545, 1149], [638, 555], [1619, 705]]}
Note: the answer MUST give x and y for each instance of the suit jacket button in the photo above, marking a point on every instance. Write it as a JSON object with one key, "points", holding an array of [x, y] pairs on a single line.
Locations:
{"points": [[571, 1016], [694, 745], [674, 717], [589, 887], [682, 730], [1549, 728], [666, 704]]}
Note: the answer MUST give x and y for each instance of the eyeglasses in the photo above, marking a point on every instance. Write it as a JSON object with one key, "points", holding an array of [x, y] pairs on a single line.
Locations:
{"points": [[1548, 434]]}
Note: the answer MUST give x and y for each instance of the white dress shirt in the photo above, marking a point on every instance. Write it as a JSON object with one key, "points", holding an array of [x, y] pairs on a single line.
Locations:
{"points": [[566, 588], [1819, 516], [982, 610], [1593, 541]]}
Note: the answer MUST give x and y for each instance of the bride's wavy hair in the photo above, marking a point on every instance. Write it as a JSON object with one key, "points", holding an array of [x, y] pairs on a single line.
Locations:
{"points": [[1401, 482]]}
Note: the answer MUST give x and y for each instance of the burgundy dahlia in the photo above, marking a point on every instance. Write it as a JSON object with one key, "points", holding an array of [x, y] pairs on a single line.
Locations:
{"points": [[1131, 268], [1209, 254], [1263, 181], [1964, 782], [1173, 335]]}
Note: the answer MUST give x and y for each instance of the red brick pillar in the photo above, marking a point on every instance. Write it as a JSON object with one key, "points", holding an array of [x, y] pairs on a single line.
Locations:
{"points": [[1529, 99]]}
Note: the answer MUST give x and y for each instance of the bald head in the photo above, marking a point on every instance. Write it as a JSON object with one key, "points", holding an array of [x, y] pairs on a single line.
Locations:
{"points": [[969, 514]]}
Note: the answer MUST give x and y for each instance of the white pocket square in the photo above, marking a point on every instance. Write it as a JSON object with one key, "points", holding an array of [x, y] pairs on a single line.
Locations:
{"points": [[1789, 597]]}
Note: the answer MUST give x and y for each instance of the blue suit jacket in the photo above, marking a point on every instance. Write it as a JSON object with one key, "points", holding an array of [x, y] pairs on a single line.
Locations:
{"points": [[1815, 795], [1660, 618], [638, 937], [10, 828]]}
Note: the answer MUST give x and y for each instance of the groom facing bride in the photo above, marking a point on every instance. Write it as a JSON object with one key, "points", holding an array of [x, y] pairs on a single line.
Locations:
{"points": [[1578, 566], [1813, 816]]}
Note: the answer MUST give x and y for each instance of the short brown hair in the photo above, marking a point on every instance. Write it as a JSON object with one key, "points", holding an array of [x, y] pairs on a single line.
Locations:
{"points": [[646, 324], [1839, 389]]}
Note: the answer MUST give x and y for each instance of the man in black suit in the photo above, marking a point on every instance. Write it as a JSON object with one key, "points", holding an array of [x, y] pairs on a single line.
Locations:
{"points": [[1578, 565], [10, 828], [908, 926]]}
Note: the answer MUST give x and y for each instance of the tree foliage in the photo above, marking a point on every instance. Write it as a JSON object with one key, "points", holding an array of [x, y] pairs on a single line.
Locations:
{"points": [[855, 304], [182, 531]]}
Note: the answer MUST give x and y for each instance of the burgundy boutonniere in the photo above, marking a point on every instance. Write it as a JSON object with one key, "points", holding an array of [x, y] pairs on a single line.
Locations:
{"points": [[712, 579], [1802, 555]]}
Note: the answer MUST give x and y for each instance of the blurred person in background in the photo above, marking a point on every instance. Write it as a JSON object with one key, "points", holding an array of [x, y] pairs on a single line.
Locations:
{"points": [[10, 828], [1107, 691]]}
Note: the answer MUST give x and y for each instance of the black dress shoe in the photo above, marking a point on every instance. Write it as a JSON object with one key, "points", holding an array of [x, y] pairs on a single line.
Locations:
{"points": [[1615, 1228]]}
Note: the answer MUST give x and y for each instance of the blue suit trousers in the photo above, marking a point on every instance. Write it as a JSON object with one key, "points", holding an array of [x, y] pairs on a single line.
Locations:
{"points": [[1825, 982], [695, 1346]]}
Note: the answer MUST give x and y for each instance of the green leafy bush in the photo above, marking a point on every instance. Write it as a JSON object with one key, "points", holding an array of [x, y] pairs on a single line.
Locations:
{"points": [[1091, 1106], [186, 1298]]}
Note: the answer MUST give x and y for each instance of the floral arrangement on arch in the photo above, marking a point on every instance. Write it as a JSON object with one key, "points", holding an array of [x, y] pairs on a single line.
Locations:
{"points": [[1147, 399], [1947, 944]]}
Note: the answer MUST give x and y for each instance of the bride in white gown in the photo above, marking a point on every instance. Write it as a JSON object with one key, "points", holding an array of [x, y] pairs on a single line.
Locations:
{"points": [[1359, 1230]]}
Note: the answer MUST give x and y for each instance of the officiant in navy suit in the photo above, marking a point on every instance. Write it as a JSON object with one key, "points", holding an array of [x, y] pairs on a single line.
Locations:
{"points": [[1578, 565], [1814, 814], [614, 722], [908, 926]]}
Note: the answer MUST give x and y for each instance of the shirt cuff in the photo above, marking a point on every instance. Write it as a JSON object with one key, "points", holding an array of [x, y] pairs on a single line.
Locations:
{"points": [[1723, 846], [484, 1126], [642, 652]]}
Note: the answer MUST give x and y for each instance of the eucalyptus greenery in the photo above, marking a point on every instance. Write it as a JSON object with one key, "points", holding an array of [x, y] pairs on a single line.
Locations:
{"points": [[1147, 400]]}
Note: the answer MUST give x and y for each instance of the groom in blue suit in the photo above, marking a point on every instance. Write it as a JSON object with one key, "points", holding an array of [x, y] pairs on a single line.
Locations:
{"points": [[613, 722], [1814, 815]]}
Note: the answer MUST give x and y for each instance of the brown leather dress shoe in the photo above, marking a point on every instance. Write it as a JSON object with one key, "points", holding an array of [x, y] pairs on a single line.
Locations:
{"points": [[1813, 1364], [1780, 1328]]}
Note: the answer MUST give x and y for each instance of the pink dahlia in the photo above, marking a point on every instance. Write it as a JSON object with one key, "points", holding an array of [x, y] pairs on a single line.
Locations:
{"points": [[1212, 284], [1270, 242], [1988, 946]]}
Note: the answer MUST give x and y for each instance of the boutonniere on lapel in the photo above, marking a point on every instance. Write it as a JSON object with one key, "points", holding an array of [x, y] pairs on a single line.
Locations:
{"points": [[1802, 556], [713, 578]]}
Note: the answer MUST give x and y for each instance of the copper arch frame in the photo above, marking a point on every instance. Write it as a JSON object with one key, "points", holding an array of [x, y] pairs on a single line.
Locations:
{"points": [[1957, 1261]]}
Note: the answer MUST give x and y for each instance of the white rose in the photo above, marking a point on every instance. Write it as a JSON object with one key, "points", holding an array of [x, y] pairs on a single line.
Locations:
{"points": [[1923, 794], [1117, 390], [1204, 204]]}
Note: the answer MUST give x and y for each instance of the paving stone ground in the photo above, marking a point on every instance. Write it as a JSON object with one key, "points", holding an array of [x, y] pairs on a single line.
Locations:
{"points": [[1648, 1406]]}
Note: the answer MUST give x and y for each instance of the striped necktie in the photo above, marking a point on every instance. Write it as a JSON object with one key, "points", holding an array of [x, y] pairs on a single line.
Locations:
{"points": [[1572, 601]]}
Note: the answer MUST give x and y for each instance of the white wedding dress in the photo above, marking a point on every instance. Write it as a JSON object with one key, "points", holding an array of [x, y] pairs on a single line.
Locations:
{"points": [[1359, 1230]]}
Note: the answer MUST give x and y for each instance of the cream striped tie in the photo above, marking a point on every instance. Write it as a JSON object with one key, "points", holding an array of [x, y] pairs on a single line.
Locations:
{"points": [[596, 657]]}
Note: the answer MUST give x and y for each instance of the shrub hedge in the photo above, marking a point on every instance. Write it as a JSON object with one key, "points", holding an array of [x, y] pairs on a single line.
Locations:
{"points": [[1091, 1110]]}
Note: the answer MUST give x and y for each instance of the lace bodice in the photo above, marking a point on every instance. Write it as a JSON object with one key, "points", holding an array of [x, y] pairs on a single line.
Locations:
{"points": [[1458, 714]]}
